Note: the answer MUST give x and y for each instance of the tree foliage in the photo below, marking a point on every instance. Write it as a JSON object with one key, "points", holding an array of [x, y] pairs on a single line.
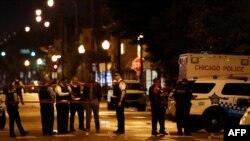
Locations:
{"points": [[174, 27]]}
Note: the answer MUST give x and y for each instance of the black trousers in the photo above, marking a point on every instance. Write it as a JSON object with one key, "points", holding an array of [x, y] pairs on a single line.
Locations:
{"points": [[62, 117], [120, 117], [76, 107], [14, 117], [158, 116], [183, 118], [47, 118]]}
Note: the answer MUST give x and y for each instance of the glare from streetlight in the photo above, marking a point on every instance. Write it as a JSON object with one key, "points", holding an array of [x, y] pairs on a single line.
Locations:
{"points": [[140, 37], [27, 28], [81, 49], [50, 3], [3, 53], [46, 23], [38, 12], [39, 61], [105, 44], [54, 58], [26, 63], [38, 18]]}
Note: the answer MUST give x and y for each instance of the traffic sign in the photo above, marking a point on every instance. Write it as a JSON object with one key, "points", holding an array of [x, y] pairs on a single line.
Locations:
{"points": [[136, 64]]}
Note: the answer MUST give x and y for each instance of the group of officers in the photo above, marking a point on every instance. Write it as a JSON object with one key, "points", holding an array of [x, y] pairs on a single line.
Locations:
{"points": [[70, 98], [75, 97]]}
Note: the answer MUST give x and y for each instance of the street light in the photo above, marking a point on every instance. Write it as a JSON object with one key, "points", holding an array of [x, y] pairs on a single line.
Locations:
{"points": [[105, 46], [27, 64], [81, 50], [50, 3], [141, 59]]}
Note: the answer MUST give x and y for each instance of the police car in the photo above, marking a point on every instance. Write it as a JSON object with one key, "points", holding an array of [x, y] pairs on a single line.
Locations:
{"points": [[217, 102], [245, 119]]}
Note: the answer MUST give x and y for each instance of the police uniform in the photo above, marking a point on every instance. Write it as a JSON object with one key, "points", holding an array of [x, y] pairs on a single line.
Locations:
{"points": [[11, 100], [183, 96], [47, 97], [19, 86], [76, 105], [62, 107], [117, 89]]}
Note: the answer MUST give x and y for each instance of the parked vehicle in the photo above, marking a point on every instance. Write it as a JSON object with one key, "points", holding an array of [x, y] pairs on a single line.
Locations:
{"points": [[32, 87], [194, 65], [217, 102], [135, 96], [2, 114], [245, 119]]}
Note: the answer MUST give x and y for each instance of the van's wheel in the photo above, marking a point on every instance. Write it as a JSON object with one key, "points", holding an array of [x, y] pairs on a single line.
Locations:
{"points": [[2, 118], [214, 120]]}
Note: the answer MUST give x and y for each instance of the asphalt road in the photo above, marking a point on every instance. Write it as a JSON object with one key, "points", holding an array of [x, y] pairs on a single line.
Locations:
{"points": [[137, 124]]}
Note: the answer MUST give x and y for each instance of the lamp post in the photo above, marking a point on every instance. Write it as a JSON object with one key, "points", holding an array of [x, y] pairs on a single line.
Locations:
{"points": [[27, 64], [105, 46], [54, 59], [141, 59], [81, 51]]}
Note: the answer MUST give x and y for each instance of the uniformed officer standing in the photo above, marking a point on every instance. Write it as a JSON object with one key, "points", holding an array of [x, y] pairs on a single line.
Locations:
{"points": [[157, 108], [119, 91], [183, 95], [47, 98], [63, 97], [19, 87], [76, 104], [12, 101]]}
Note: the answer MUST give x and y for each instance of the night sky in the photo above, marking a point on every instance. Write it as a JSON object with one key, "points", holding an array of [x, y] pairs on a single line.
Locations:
{"points": [[16, 14]]}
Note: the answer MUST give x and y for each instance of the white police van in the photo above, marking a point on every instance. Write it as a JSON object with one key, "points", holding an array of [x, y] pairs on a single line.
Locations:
{"points": [[217, 102]]}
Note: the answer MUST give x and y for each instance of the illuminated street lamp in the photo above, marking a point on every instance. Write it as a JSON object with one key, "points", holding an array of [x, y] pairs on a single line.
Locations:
{"points": [[46, 24], [105, 46], [27, 29], [39, 61], [38, 12], [50, 3], [81, 51], [141, 59], [27, 64], [38, 19]]}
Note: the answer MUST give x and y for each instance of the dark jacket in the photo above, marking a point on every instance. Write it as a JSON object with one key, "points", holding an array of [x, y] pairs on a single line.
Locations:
{"points": [[97, 93]]}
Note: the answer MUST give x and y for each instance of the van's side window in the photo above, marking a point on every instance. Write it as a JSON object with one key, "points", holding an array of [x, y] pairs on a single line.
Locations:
{"points": [[236, 89], [203, 88]]}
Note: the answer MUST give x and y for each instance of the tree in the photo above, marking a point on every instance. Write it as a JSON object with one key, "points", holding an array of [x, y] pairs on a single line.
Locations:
{"points": [[174, 27]]}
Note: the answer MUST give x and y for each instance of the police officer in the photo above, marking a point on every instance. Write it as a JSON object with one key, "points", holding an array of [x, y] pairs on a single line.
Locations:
{"points": [[119, 90], [63, 97], [19, 87], [157, 108], [183, 95], [76, 104], [92, 96], [11, 101], [47, 98]]}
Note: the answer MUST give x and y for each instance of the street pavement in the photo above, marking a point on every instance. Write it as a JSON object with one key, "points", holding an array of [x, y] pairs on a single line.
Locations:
{"points": [[137, 124]]}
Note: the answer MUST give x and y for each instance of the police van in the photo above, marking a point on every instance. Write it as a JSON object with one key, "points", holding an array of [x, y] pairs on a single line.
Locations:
{"points": [[217, 102], [221, 89]]}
